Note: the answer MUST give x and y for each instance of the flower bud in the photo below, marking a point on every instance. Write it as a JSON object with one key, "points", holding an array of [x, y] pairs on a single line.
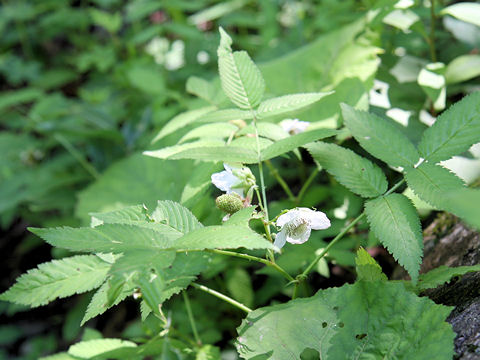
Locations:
{"points": [[230, 203]]}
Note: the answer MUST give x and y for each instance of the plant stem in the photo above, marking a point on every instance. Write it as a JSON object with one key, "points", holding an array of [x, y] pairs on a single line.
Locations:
{"points": [[222, 297], [395, 187], [431, 41], [307, 184], [280, 180], [190, 317], [254, 258]]}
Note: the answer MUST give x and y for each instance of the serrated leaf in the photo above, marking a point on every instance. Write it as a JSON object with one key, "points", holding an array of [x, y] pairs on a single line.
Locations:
{"points": [[454, 131], [358, 174], [395, 222], [288, 103], [466, 11], [132, 215], [241, 79], [182, 120], [374, 320], [441, 275], [199, 182], [152, 288], [93, 348], [58, 279], [241, 217], [292, 142], [223, 237], [110, 238], [367, 268], [215, 130], [140, 261], [225, 115], [380, 138], [177, 151], [176, 216], [431, 182]]}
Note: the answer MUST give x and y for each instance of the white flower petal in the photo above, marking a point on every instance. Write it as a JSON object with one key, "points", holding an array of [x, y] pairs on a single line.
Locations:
{"points": [[280, 239], [288, 216], [224, 180], [317, 219], [301, 238]]}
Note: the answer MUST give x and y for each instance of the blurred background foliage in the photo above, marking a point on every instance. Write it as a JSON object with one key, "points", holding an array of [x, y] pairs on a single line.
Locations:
{"points": [[87, 85]]}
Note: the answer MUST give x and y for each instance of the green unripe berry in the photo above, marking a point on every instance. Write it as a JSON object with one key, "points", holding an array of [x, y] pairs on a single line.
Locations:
{"points": [[230, 203]]}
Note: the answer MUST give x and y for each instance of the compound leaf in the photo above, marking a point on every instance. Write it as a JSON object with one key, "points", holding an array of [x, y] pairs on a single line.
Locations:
{"points": [[367, 268], [395, 222], [358, 174], [441, 275], [380, 138]]}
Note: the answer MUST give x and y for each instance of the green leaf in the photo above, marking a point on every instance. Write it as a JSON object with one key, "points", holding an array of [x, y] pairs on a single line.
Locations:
{"points": [[176, 216], [57, 279], [454, 131], [358, 174], [201, 88], [379, 137], [292, 142], [185, 151], [367, 268], [93, 348], [215, 130], [109, 238], [441, 275], [16, 97], [199, 182], [466, 201], [148, 79], [141, 261], [395, 222], [288, 103], [208, 352], [225, 115], [241, 217], [466, 11], [239, 285], [223, 237], [182, 120], [366, 320], [131, 215], [241, 80], [430, 183], [463, 68], [152, 287], [432, 81]]}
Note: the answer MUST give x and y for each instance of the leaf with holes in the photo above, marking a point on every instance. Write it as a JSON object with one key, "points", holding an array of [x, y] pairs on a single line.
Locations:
{"points": [[395, 222]]}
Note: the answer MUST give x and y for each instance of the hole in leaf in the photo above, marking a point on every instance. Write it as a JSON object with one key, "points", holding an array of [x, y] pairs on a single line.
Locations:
{"points": [[360, 336], [341, 324], [324, 325], [335, 308], [310, 354]]}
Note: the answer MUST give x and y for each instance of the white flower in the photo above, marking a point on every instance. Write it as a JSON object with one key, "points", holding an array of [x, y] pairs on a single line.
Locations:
{"points": [[234, 179], [294, 126], [297, 225]]}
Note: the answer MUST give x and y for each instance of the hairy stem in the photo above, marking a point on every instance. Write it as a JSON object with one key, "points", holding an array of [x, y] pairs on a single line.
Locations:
{"points": [[190, 317], [222, 297]]}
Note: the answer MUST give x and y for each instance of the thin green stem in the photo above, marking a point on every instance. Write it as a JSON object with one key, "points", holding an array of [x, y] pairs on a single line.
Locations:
{"points": [[222, 297], [395, 187], [280, 180], [307, 184], [190, 317], [254, 258], [431, 41], [77, 155]]}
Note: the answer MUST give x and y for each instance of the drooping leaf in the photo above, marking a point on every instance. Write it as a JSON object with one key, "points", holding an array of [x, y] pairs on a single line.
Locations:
{"points": [[441, 275], [287, 103], [454, 131], [353, 171], [431, 182], [58, 279], [241, 79], [380, 138], [201, 88], [367, 268], [363, 320], [395, 222], [463, 68], [94, 348]]}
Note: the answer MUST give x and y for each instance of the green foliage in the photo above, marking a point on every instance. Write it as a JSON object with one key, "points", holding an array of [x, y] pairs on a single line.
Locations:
{"points": [[58, 279], [441, 275], [380, 138], [351, 170], [288, 103], [348, 322], [395, 223], [367, 268], [431, 182], [454, 131], [241, 79]]}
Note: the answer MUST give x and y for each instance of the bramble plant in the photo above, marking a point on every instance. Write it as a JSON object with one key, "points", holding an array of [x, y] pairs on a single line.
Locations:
{"points": [[155, 253]]}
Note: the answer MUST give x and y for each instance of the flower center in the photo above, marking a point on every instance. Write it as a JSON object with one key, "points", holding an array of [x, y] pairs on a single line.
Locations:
{"points": [[297, 227]]}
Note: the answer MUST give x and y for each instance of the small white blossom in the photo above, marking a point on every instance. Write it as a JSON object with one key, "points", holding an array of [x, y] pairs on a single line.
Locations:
{"points": [[203, 57], [294, 126], [233, 179], [175, 58], [297, 224]]}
